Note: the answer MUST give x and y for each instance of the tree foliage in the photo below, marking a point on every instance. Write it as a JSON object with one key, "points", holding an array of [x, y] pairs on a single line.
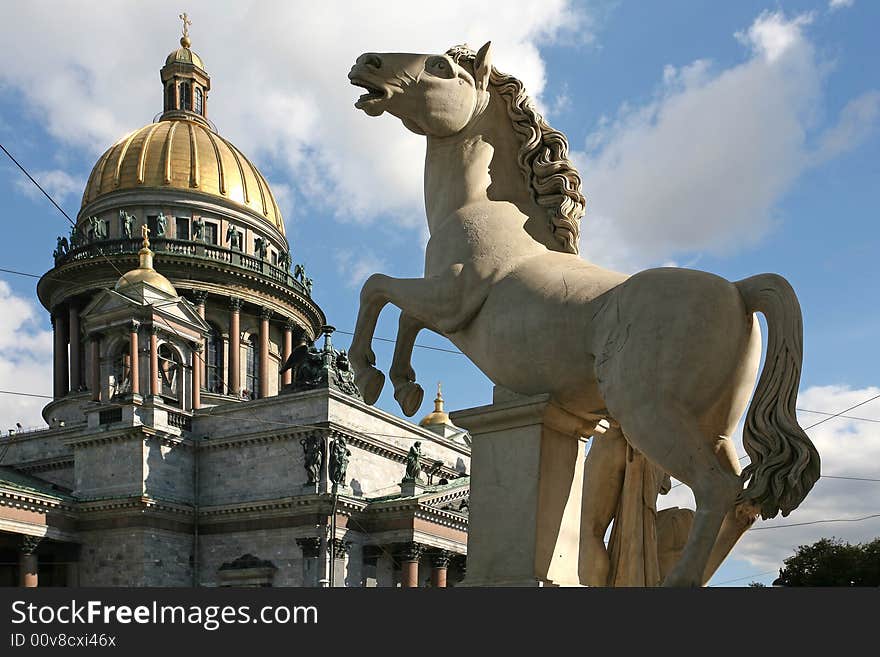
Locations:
{"points": [[832, 562]]}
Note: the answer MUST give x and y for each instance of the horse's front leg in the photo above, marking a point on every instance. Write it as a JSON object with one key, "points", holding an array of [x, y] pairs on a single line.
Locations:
{"points": [[407, 392], [448, 302]]}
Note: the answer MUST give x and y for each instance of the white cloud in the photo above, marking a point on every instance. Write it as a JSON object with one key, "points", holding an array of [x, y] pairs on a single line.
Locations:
{"points": [[25, 360], [355, 267], [834, 5], [279, 86], [848, 447], [58, 183], [857, 121], [702, 166]]}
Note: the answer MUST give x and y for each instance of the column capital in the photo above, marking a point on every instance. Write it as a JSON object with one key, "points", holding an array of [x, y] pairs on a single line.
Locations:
{"points": [[441, 558], [95, 336], [153, 329], [289, 324], [265, 313], [200, 296], [339, 548], [235, 304], [409, 551], [29, 544], [310, 546], [197, 347], [133, 325]]}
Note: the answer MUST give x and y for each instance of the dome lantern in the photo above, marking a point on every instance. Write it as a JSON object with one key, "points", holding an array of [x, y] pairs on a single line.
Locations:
{"points": [[185, 82]]}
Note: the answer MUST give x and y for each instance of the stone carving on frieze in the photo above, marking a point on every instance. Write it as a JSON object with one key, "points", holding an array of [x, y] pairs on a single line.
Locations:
{"points": [[505, 284]]}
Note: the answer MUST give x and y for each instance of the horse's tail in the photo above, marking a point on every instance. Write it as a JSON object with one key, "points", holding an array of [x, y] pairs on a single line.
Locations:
{"points": [[784, 463]]}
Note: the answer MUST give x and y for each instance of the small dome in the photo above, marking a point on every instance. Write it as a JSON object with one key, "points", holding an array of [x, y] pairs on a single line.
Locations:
{"points": [[184, 55], [438, 416], [145, 274]]}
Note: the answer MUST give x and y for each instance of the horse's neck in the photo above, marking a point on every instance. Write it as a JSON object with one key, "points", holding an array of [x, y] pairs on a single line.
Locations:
{"points": [[477, 165]]}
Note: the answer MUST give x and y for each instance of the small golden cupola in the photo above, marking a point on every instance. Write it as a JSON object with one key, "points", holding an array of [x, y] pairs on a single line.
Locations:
{"points": [[129, 282], [438, 417], [185, 81]]}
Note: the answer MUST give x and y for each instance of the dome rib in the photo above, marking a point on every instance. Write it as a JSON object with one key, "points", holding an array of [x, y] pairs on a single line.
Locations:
{"points": [[117, 179], [143, 155], [221, 176], [169, 141], [193, 157]]}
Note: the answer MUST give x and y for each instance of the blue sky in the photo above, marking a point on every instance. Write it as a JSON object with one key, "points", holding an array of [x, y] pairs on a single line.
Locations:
{"points": [[735, 138]]}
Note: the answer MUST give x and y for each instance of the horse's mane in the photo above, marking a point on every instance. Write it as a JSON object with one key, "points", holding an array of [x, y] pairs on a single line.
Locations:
{"points": [[543, 156]]}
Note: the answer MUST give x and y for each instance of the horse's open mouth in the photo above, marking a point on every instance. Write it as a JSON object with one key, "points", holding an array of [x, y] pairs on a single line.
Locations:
{"points": [[374, 92]]}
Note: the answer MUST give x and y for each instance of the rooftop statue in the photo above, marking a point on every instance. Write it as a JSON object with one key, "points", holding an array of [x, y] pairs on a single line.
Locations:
{"points": [[668, 355]]}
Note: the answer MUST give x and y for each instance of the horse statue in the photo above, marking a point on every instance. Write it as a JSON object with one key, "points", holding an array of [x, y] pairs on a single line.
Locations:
{"points": [[668, 356]]}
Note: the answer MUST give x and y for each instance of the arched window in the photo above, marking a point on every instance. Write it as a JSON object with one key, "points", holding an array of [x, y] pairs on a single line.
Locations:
{"points": [[185, 96], [214, 361], [169, 374], [199, 101], [169, 101], [252, 367]]}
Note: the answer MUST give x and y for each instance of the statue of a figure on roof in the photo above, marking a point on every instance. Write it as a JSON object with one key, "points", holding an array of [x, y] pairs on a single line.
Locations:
{"points": [[413, 462], [126, 223], [198, 234], [233, 236], [161, 224]]}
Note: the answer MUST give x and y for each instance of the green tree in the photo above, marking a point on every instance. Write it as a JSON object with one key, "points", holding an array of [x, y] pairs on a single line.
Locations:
{"points": [[832, 562]]}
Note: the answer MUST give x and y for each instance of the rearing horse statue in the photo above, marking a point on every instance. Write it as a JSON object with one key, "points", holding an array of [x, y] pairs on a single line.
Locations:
{"points": [[669, 356]]}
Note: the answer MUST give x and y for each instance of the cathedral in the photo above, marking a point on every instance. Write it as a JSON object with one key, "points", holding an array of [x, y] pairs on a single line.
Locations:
{"points": [[204, 429]]}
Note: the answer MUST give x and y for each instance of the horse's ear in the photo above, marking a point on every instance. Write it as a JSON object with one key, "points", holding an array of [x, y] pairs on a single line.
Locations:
{"points": [[483, 66]]}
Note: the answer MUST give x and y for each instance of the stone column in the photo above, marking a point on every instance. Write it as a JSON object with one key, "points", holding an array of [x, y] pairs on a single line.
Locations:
{"points": [[155, 390], [133, 357], [439, 567], [527, 464], [95, 377], [287, 349], [200, 299], [234, 347], [197, 376], [76, 379], [311, 551], [59, 326], [265, 314], [408, 554], [28, 565]]}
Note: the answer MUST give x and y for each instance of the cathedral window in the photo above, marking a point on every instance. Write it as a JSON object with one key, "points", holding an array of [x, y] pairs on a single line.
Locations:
{"points": [[211, 232], [252, 374], [182, 228], [169, 101], [169, 374], [199, 101], [214, 361], [185, 96]]}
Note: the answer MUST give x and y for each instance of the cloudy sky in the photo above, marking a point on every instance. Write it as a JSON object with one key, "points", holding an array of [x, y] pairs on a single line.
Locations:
{"points": [[731, 137]]}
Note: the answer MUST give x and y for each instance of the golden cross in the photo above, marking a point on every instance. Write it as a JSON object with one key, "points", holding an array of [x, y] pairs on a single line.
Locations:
{"points": [[186, 23], [145, 231]]}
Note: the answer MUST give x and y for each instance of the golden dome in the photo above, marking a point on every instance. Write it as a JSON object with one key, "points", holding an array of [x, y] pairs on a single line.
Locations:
{"points": [[184, 55], [183, 154], [145, 274], [438, 416]]}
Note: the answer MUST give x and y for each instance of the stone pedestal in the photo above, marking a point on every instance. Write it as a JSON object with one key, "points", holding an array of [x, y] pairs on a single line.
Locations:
{"points": [[527, 465], [411, 488]]}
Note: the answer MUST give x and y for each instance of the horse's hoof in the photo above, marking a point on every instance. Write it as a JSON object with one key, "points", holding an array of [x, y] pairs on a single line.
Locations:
{"points": [[370, 382], [409, 396]]}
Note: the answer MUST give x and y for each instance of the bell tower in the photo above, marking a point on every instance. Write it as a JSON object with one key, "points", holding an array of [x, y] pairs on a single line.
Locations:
{"points": [[185, 82]]}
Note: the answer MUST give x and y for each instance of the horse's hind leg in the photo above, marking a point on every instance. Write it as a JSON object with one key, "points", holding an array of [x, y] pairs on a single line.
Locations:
{"points": [[672, 439]]}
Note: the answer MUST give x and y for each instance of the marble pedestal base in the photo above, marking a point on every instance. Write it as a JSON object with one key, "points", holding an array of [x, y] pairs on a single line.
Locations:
{"points": [[527, 468]]}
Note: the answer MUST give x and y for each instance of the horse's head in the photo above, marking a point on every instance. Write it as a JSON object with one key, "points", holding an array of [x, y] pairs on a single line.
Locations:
{"points": [[432, 94]]}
